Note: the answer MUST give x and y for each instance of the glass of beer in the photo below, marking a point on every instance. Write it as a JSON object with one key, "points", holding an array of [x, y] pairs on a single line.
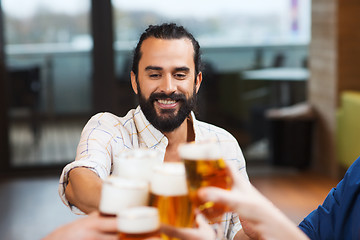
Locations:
{"points": [[137, 163], [169, 193], [139, 223], [205, 167], [119, 193]]}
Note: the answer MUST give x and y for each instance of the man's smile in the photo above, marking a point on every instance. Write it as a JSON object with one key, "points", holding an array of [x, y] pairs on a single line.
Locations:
{"points": [[166, 103]]}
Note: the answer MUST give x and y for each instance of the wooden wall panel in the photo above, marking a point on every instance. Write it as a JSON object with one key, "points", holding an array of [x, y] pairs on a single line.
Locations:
{"points": [[349, 45], [335, 67], [323, 82]]}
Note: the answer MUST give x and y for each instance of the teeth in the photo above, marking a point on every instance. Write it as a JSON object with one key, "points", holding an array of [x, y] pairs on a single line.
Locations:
{"points": [[166, 101]]}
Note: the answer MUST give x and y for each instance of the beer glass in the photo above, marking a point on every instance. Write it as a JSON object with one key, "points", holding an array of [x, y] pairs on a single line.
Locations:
{"points": [[119, 193], [168, 192], [205, 167], [137, 163], [138, 223]]}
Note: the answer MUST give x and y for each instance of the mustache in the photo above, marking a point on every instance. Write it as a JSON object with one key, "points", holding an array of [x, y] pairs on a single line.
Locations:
{"points": [[173, 96]]}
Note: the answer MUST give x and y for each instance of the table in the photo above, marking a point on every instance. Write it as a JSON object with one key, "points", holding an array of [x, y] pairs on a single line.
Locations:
{"points": [[283, 76]]}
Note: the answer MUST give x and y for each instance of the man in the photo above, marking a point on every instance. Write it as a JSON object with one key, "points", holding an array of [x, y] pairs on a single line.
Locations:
{"points": [[166, 76]]}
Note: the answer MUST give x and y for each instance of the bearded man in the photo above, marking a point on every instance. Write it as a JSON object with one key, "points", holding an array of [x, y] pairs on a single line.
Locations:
{"points": [[166, 75]]}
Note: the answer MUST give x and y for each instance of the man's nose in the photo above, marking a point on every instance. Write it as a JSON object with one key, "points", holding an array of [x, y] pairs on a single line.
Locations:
{"points": [[168, 85]]}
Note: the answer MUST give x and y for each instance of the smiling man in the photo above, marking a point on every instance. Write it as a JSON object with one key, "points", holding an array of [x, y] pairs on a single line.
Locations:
{"points": [[166, 75]]}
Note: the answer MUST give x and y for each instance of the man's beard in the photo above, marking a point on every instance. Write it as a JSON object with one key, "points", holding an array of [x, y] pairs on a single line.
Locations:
{"points": [[169, 119]]}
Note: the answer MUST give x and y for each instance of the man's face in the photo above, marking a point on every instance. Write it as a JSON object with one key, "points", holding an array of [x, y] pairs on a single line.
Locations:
{"points": [[166, 81]]}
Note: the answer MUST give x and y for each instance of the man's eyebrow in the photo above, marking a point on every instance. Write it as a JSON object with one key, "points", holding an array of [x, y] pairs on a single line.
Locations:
{"points": [[148, 68], [182, 69]]}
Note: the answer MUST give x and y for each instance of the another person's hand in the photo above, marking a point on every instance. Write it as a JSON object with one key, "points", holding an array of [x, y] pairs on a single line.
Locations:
{"points": [[92, 227], [203, 232], [259, 217]]}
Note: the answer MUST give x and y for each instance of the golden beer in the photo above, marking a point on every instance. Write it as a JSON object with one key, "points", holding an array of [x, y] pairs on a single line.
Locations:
{"points": [[205, 167], [119, 193], [174, 210], [139, 223], [169, 193]]}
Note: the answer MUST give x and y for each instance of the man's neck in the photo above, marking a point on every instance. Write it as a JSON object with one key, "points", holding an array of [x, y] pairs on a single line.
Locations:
{"points": [[184, 133]]}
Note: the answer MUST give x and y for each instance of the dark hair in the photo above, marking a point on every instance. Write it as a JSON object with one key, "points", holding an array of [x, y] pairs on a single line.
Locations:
{"points": [[167, 31]]}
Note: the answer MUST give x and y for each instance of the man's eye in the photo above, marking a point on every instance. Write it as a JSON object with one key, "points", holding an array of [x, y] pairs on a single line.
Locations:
{"points": [[180, 75], [154, 75]]}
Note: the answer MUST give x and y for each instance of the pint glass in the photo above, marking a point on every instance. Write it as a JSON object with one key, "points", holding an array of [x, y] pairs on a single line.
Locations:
{"points": [[205, 167], [168, 192], [138, 223], [136, 163], [119, 193]]}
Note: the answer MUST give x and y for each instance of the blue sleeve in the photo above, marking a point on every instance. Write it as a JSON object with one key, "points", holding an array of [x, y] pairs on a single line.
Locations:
{"points": [[323, 217], [338, 216]]}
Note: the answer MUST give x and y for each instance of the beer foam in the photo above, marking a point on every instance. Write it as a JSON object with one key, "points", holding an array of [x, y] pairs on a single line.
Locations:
{"points": [[169, 179], [136, 163], [119, 193], [138, 220], [197, 151]]}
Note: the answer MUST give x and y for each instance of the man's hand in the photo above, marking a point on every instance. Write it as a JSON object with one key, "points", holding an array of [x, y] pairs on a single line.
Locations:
{"points": [[92, 227]]}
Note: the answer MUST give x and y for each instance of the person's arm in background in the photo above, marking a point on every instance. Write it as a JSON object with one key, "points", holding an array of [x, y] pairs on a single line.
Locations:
{"points": [[259, 217], [84, 189], [90, 227]]}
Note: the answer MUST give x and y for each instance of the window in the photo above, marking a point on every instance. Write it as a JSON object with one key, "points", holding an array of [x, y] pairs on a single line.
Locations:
{"points": [[48, 59], [228, 22], [41, 21], [233, 34]]}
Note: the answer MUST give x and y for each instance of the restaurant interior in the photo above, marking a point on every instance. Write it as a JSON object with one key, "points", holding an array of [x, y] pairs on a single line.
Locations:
{"points": [[285, 83]]}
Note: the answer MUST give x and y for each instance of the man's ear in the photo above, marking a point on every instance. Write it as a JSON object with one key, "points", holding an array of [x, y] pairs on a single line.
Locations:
{"points": [[133, 82], [198, 81]]}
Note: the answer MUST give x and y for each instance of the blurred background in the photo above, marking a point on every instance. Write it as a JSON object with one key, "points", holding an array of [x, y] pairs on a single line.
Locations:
{"points": [[282, 76]]}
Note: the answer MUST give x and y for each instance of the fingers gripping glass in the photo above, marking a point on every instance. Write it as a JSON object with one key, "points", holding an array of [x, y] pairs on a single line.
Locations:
{"points": [[205, 167]]}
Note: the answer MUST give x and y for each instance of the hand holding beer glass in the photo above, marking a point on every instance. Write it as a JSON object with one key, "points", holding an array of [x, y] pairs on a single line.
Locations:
{"points": [[125, 194], [205, 167], [169, 193]]}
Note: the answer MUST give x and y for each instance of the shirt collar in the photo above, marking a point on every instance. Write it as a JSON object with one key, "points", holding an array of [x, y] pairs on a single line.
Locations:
{"points": [[197, 132], [152, 137]]}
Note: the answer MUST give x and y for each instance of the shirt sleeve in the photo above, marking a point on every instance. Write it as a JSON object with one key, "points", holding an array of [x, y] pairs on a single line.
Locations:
{"points": [[322, 218], [64, 182], [93, 152], [334, 219], [234, 226]]}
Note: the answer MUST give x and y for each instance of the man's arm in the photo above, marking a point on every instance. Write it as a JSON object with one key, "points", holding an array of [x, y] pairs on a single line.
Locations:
{"points": [[84, 189]]}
